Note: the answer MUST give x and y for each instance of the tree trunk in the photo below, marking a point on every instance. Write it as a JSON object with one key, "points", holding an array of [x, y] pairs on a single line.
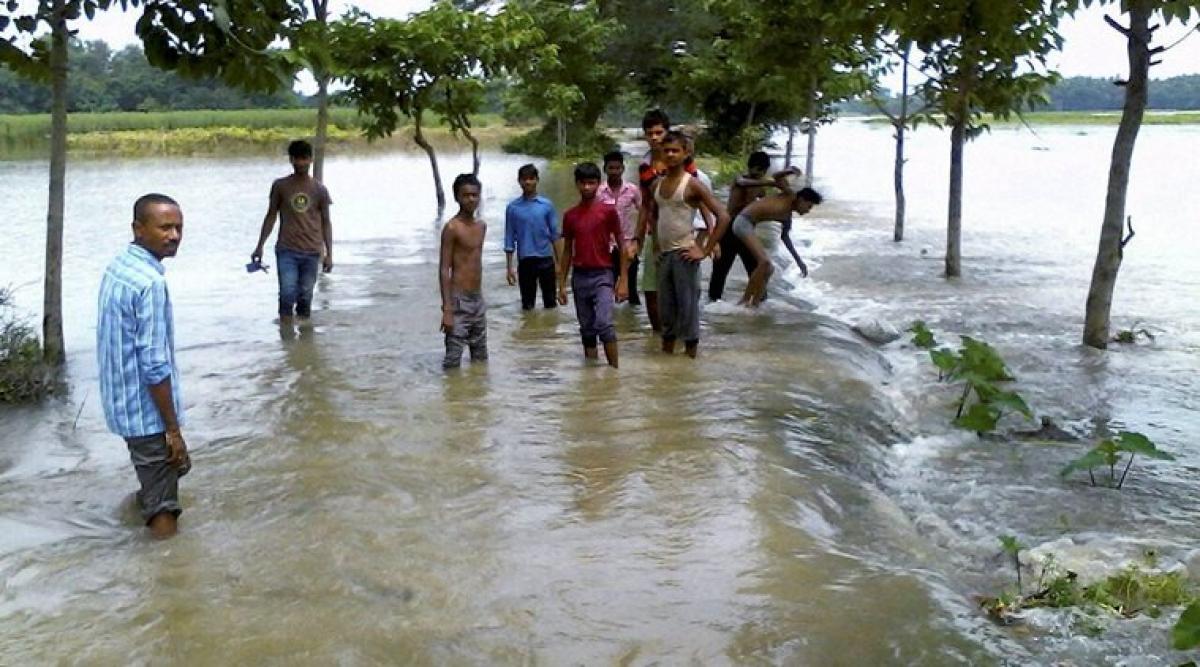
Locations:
{"points": [[53, 348], [321, 13], [466, 132], [958, 137], [561, 135], [787, 157], [419, 137], [322, 128], [1108, 257], [812, 139], [901, 126]]}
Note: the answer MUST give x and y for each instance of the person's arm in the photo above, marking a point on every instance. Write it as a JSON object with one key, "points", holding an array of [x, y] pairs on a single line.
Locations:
{"points": [[696, 253], [786, 237], [564, 262], [445, 268], [152, 348], [618, 234], [781, 180], [647, 216], [747, 182], [267, 225], [510, 246], [326, 230], [556, 238]]}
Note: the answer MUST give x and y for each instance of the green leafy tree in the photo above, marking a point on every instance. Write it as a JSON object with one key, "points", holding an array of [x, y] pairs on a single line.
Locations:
{"points": [[983, 57], [1139, 35], [25, 50], [397, 69]]}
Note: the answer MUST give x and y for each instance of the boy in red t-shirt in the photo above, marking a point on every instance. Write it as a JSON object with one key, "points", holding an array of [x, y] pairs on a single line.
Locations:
{"points": [[589, 230]]}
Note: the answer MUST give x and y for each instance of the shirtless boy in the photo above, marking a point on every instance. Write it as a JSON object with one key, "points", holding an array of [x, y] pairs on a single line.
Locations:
{"points": [[778, 208], [460, 268], [676, 196]]}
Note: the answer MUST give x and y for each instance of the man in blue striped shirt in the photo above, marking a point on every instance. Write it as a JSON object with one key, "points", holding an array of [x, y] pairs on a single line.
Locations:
{"points": [[530, 231], [135, 346]]}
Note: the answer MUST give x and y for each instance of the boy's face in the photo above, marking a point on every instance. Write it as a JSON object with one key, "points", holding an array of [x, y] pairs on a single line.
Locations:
{"points": [[757, 171], [468, 198], [301, 164], [802, 205], [654, 135], [587, 188], [673, 153], [529, 185], [614, 170]]}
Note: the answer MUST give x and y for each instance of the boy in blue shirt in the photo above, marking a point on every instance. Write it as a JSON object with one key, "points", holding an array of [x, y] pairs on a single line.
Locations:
{"points": [[530, 232]]}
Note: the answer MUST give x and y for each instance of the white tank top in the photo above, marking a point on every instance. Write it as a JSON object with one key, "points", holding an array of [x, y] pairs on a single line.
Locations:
{"points": [[674, 217]]}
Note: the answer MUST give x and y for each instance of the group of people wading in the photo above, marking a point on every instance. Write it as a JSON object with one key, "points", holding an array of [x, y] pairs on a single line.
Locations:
{"points": [[665, 226], [620, 237]]}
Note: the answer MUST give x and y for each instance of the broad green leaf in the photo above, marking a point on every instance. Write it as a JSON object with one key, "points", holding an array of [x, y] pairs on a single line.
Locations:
{"points": [[1129, 441], [1011, 400], [980, 417], [1185, 636], [945, 360], [1093, 459]]}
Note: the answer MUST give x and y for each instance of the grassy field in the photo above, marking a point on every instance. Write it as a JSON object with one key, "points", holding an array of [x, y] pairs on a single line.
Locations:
{"points": [[200, 132]]}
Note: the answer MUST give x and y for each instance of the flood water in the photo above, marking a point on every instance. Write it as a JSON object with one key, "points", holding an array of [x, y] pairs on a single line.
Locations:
{"points": [[795, 496]]}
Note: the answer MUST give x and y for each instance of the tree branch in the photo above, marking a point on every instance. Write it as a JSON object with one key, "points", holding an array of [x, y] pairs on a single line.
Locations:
{"points": [[1125, 241], [883, 109], [1118, 27]]}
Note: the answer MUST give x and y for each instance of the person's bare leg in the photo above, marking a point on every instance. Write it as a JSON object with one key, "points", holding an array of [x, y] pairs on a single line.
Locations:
{"points": [[610, 353], [592, 352], [163, 525], [651, 299], [756, 287]]}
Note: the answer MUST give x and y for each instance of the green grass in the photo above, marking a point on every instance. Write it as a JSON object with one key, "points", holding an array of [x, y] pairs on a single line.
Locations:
{"points": [[193, 132]]}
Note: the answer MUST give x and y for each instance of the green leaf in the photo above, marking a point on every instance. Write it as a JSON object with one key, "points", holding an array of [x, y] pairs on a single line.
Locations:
{"points": [[980, 418], [945, 360], [1011, 400], [1010, 545], [1129, 441], [1093, 459], [922, 336], [1186, 633]]}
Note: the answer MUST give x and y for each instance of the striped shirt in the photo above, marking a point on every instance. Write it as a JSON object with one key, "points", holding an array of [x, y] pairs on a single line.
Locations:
{"points": [[135, 343]]}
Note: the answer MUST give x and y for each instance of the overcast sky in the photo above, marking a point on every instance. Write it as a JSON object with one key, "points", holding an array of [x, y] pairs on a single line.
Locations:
{"points": [[1092, 48]]}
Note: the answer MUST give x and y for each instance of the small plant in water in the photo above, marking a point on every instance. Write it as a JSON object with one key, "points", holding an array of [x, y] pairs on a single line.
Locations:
{"points": [[1186, 634], [980, 369], [1013, 549], [1130, 336], [1108, 453]]}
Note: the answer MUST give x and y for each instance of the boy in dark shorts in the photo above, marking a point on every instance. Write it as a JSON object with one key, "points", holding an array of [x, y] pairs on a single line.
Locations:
{"points": [[460, 276], [590, 229]]}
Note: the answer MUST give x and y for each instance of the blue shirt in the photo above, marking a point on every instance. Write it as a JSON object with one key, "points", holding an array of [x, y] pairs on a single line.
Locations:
{"points": [[529, 227], [135, 343]]}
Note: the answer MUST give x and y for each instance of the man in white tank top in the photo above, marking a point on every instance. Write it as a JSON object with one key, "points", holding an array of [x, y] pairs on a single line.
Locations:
{"points": [[676, 196]]}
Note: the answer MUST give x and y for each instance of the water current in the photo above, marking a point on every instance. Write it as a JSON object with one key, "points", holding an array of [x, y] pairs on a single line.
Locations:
{"points": [[795, 496]]}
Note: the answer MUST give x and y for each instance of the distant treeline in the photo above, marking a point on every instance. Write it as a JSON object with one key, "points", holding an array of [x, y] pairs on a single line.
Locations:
{"points": [[105, 80], [1081, 93]]}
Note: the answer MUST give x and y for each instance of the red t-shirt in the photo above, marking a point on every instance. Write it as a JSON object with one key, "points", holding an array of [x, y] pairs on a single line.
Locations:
{"points": [[591, 228]]}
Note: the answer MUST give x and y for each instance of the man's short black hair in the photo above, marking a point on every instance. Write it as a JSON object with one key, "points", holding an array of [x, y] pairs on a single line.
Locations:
{"points": [[614, 156], [300, 148], [587, 171], [808, 194], [145, 201], [676, 137], [656, 117], [528, 170], [463, 180], [759, 159]]}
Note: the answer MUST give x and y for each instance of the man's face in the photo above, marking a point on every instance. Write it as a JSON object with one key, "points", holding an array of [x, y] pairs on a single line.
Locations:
{"points": [[162, 230], [673, 153], [468, 198], [803, 205], [301, 164], [587, 188], [529, 185], [614, 170], [654, 135], [757, 171]]}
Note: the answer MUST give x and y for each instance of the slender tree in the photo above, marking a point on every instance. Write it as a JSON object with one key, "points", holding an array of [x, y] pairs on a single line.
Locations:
{"points": [[1139, 35], [27, 53], [983, 56]]}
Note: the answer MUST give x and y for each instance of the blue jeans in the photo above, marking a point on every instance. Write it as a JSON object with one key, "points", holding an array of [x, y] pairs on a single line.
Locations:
{"points": [[297, 275]]}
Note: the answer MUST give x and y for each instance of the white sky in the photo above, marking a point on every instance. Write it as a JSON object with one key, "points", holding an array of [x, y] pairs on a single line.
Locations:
{"points": [[1091, 47]]}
